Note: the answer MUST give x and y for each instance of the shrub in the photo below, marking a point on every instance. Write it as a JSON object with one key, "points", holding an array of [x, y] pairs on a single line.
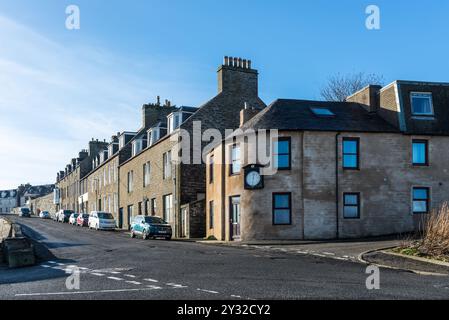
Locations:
{"points": [[435, 241]]}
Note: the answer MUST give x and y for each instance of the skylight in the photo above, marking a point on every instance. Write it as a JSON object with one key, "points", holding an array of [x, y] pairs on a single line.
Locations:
{"points": [[322, 112]]}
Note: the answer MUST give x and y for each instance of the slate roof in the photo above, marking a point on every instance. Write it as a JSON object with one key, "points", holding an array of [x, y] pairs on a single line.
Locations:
{"points": [[291, 115]]}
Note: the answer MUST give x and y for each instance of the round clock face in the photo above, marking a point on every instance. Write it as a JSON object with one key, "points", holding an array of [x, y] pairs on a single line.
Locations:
{"points": [[253, 178]]}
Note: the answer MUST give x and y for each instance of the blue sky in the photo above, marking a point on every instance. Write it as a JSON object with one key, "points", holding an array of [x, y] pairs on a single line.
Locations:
{"points": [[59, 88]]}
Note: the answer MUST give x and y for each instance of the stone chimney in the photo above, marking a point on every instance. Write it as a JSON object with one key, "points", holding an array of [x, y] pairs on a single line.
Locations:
{"points": [[236, 76], [368, 97], [247, 113], [96, 146], [154, 112]]}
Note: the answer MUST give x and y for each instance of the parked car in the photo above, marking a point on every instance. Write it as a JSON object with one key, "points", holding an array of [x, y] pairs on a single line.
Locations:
{"points": [[82, 220], [64, 216], [44, 215], [73, 217], [25, 212], [150, 227], [101, 221]]}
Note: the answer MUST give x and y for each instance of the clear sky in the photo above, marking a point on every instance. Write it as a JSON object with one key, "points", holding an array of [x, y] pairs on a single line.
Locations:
{"points": [[59, 87]]}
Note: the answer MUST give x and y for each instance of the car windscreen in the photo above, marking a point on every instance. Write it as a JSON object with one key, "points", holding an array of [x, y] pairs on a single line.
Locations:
{"points": [[25, 210], [85, 216], [155, 220], [105, 215], [68, 212]]}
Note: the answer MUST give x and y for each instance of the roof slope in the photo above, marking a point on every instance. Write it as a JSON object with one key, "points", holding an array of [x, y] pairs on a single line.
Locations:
{"points": [[284, 114]]}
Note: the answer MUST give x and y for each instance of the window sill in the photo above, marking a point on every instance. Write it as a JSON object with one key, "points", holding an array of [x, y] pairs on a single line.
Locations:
{"points": [[424, 117]]}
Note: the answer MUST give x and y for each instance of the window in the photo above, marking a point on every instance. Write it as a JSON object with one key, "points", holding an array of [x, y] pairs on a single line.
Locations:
{"points": [[422, 104], [174, 121], [282, 208], [105, 177], [137, 146], [153, 135], [146, 174], [235, 159], [121, 141], [420, 153], [322, 112], [351, 205], [281, 153], [139, 208], [351, 150], [130, 181], [153, 207], [168, 207], [211, 214], [167, 165], [421, 200], [211, 169]]}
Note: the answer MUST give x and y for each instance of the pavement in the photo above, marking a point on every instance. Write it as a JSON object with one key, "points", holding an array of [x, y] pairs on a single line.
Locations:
{"points": [[341, 250], [111, 265]]}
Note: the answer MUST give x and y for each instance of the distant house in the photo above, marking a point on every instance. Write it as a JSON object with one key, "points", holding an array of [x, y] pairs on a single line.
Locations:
{"points": [[8, 200]]}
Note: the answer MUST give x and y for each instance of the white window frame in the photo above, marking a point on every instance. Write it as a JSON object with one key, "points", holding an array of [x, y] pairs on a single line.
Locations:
{"points": [[429, 96], [167, 165]]}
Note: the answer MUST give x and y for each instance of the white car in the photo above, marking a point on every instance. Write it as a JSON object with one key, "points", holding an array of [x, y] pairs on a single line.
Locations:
{"points": [[73, 217], [44, 215], [101, 221]]}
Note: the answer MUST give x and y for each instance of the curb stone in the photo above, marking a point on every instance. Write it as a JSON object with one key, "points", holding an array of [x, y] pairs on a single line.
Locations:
{"points": [[422, 273]]}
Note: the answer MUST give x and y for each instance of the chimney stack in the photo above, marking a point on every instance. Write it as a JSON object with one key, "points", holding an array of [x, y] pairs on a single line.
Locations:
{"points": [[247, 113], [235, 76], [368, 97]]}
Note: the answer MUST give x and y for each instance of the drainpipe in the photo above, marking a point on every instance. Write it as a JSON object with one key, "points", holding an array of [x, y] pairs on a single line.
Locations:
{"points": [[337, 191]]}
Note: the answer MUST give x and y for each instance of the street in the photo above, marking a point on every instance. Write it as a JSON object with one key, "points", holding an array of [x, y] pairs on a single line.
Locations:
{"points": [[114, 266]]}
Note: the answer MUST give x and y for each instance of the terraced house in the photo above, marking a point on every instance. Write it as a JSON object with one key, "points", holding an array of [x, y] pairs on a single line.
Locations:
{"points": [[152, 184], [69, 184], [376, 164], [102, 183]]}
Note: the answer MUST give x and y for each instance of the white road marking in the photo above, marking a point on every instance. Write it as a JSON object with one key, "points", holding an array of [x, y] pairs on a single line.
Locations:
{"points": [[79, 292], [114, 272], [134, 282], [115, 278], [234, 296], [45, 266], [329, 253], [97, 274], [154, 287], [150, 280], [208, 291], [52, 262], [83, 268], [129, 275], [60, 264], [175, 285]]}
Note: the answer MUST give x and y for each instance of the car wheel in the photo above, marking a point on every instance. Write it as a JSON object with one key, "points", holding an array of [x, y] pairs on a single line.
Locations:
{"points": [[144, 235], [168, 238], [96, 227], [132, 234]]}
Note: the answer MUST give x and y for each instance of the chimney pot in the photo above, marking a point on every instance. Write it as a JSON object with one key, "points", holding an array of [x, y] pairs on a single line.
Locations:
{"points": [[236, 61], [245, 66], [240, 63], [226, 60], [249, 64]]}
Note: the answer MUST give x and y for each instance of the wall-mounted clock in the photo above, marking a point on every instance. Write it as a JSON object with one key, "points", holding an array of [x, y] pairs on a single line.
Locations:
{"points": [[253, 178]]}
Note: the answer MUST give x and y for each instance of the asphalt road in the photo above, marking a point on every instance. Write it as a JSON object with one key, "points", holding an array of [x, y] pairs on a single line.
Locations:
{"points": [[111, 265]]}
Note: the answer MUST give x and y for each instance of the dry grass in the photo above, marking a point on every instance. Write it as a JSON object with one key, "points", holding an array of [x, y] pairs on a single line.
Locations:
{"points": [[435, 240]]}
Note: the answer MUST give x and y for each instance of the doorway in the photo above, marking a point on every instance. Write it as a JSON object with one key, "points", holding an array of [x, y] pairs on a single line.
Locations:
{"points": [[235, 218]]}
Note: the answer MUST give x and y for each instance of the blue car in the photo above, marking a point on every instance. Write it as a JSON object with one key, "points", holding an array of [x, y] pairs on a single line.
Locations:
{"points": [[150, 227]]}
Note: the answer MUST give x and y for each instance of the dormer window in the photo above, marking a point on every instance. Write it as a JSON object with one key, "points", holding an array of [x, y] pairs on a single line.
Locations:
{"points": [[422, 104], [121, 141], [174, 121], [154, 135], [137, 146]]}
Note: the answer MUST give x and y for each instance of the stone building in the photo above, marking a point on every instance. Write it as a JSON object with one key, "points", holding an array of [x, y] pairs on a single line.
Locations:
{"points": [[44, 203], [373, 165], [69, 186], [153, 182], [102, 183], [8, 200]]}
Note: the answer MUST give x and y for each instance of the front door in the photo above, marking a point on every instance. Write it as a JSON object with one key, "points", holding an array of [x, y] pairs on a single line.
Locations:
{"points": [[120, 218], [130, 214], [235, 218]]}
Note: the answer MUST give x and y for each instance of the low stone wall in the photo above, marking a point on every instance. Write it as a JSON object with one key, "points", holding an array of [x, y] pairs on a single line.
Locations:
{"points": [[16, 250]]}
